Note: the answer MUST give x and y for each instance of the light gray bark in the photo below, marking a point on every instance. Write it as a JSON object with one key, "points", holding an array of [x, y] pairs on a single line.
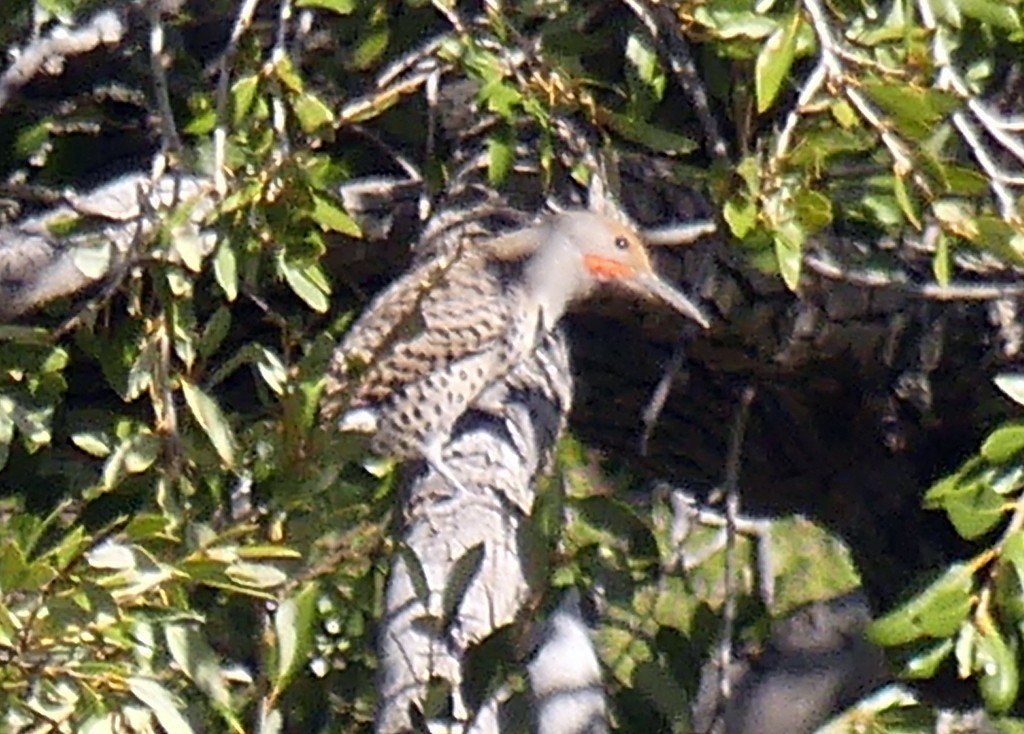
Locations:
{"points": [[80, 242]]}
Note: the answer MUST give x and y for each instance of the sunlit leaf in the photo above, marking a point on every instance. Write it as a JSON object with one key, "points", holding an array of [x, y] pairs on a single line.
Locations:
{"points": [[305, 283], [163, 705], [656, 138], [193, 654], [645, 66], [501, 155], [212, 420], [243, 92], [998, 13], [789, 254], [1012, 385], [936, 612], [1010, 579], [774, 62], [341, 7], [312, 113], [998, 672], [111, 555], [284, 70], [256, 575], [926, 663], [215, 331], [225, 270], [330, 216], [741, 216], [295, 629], [273, 371], [941, 265], [93, 443], [974, 510], [1004, 443]]}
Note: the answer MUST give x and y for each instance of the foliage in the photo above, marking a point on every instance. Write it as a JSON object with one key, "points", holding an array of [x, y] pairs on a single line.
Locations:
{"points": [[972, 612], [181, 548]]}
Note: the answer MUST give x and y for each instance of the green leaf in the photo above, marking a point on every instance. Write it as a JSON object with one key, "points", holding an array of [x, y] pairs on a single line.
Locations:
{"points": [[147, 527], [605, 520], [284, 70], [813, 210], [94, 443], [905, 199], [190, 248], [730, 23], [941, 263], [33, 139], [788, 241], [914, 110], [225, 270], [1012, 386], [937, 612], [215, 331], [312, 113], [213, 422], [926, 663], [998, 13], [501, 98], [273, 371], [656, 138], [13, 565], [164, 706], [1004, 443], [998, 674], [256, 575], [295, 630], [307, 283], [741, 215], [974, 509], [269, 552], [341, 7], [645, 66], [134, 455], [774, 62], [192, 653], [330, 216], [1010, 578], [243, 92], [372, 44], [501, 155]]}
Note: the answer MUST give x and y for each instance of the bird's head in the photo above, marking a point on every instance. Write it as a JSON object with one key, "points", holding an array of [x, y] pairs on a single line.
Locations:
{"points": [[572, 253]]}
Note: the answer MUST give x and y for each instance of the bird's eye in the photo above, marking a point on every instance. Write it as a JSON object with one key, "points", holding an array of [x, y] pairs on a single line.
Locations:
{"points": [[622, 243]]}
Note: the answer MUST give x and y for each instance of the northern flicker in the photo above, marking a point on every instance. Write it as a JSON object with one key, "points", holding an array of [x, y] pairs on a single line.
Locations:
{"points": [[428, 346]]}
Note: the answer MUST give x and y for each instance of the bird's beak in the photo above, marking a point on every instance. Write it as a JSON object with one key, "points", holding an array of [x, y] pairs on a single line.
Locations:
{"points": [[652, 285], [645, 283]]}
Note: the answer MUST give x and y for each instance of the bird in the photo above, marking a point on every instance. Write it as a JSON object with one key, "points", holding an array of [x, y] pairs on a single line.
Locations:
{"points": [[427, 347]]}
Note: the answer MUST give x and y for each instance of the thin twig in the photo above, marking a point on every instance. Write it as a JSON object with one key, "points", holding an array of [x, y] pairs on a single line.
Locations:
{"points": [[732, 511], [656, 404], [279, 115], [169, 139], [955, 291], [663, 28], [220, 134]]}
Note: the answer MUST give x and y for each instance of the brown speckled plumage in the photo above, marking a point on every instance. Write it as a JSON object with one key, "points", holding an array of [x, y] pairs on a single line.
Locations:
{"points": [[428, 346]]}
